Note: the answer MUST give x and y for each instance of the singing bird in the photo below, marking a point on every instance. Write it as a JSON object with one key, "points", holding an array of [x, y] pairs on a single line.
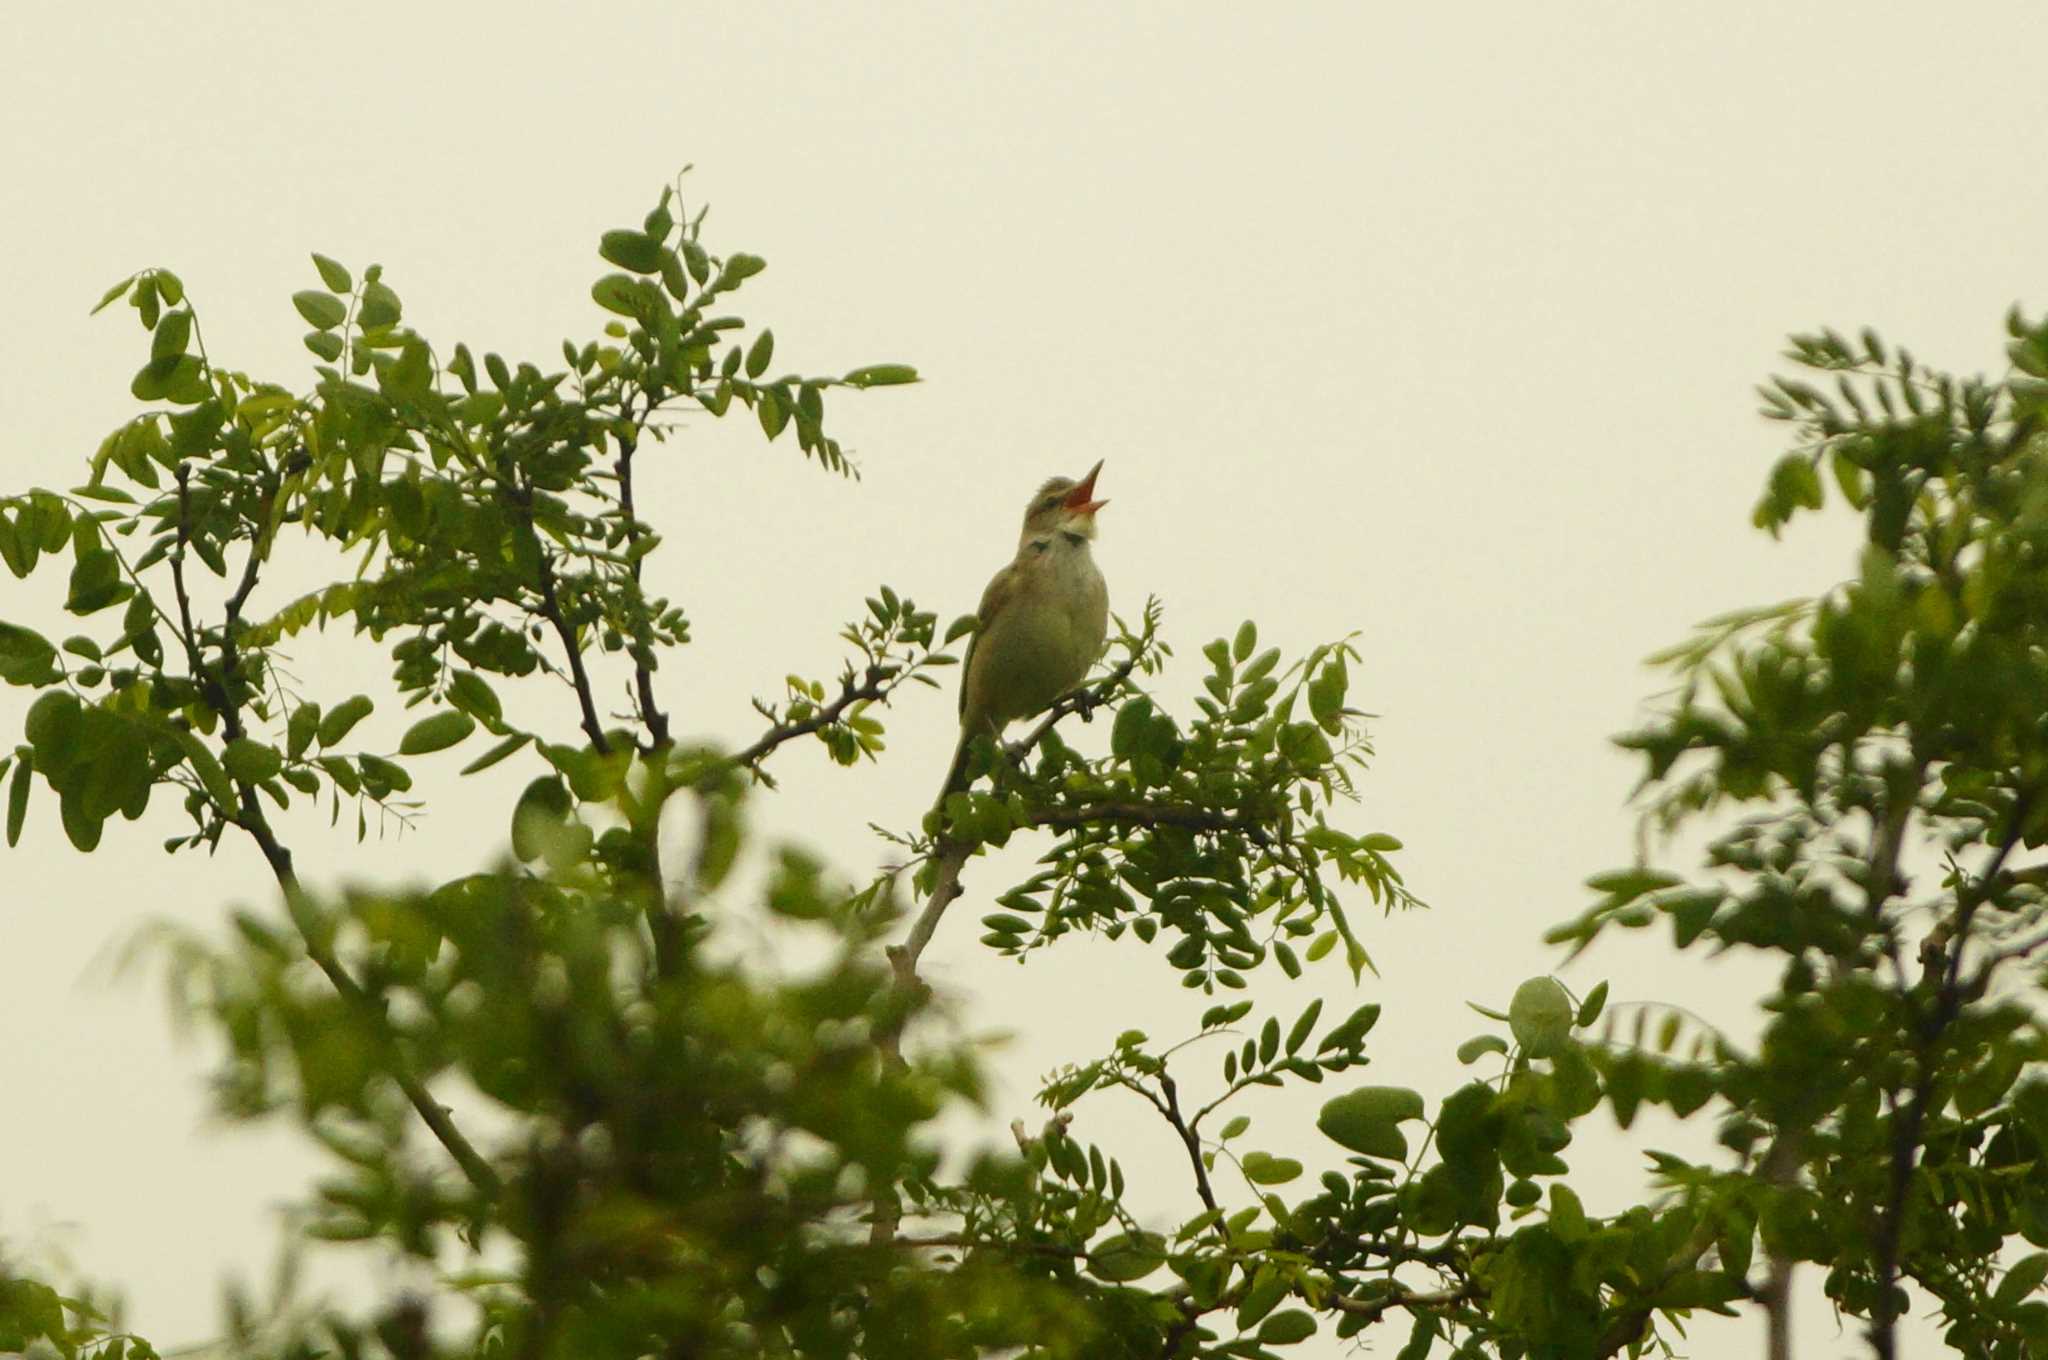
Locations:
{"points": [[1043, 619]]}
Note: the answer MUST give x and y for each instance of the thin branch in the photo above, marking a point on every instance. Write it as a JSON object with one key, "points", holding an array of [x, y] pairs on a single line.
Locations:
{"points": [[1401, 1297], [551, 610], [643, 670], [1155, 815], [873, 685], [1909, 1123], [1171, 1109], [249, 817], [431, 1112]]}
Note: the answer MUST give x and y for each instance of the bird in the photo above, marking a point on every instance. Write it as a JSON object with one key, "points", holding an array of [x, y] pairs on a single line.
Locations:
{"points": [[1042, 621]]}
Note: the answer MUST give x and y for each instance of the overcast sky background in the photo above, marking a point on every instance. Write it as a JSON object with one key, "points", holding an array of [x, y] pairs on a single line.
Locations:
{"points": [[1439, 323]]}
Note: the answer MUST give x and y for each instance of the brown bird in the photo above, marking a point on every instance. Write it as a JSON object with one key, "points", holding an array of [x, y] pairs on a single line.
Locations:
{"points": [[1043, 619]]}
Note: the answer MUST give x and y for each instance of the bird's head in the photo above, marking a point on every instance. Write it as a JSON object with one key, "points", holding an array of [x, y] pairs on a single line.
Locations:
{"points": [[1064, 505]]}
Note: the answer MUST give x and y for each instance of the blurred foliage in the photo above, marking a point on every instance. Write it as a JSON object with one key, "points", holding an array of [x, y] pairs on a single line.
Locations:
{"points": [[556, 1090]]}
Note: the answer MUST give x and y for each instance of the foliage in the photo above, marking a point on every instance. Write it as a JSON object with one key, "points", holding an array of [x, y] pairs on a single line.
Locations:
{"points": [[635, 1144]]}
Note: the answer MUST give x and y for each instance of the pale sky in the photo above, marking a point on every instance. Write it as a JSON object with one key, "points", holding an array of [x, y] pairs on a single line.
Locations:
{"points": [[1438, 323]]}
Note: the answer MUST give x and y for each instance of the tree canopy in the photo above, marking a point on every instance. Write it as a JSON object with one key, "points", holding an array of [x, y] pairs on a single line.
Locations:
{"points": [[604, 1135]]}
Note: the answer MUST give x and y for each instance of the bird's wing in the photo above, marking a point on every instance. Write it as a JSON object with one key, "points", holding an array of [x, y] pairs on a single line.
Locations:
{"points": [[1001, 587]]}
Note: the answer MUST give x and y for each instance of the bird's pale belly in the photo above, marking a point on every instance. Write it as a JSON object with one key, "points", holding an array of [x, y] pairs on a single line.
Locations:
{"points": [[1035, 660]]}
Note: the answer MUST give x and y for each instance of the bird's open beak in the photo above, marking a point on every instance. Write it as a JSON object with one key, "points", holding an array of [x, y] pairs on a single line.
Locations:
{"points": [[1081, 500]]}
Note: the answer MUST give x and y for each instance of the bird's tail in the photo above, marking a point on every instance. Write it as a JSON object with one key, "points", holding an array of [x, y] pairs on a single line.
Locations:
{"points": [[956, 773]]}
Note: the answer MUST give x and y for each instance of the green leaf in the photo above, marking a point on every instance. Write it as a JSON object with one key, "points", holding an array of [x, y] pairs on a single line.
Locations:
{"points": [[473, 694], [299, 729], [759, 353], [332, 274], [632, 250], [1305, 1022], [342, 717], [1368, 1120], [176, 378], [381, 776], [436, 733], [17, 799], [322, 311], [881, 375], [212, 777], [1628, 884], [171, 335], [618, 293], [2022, 1279], [543, 807], [1477, 1047], [1541, 1016], [1247, 639], [1269, 1285], [1261, 1169], [699, 263], [380, 306], [26, 657], [324, 344], [1127, 1257], [107, 298], [1590, 1008], [80, 826], [739, 267], [774, 415], [1287, 1327], [95, 583], [250, 761], [497, 753]]}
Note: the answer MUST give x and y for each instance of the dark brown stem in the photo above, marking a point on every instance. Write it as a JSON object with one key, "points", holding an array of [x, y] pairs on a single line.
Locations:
{"points": [[1910, 1122], [551, 610], [431, 1112], [1170, 1107], [872, 685], [643, 671], [249, 817]]}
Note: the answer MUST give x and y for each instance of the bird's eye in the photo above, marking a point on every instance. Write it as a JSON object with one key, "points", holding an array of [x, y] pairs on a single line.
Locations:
{"points": [[1041, 544]]}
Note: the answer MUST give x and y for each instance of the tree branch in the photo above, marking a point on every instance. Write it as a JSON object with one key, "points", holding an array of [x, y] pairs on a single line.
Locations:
{"points": [[1182, 815], [643, 670], [249, 817], [1171, 1109], [551, 610], [1402, 1297], [873, 685], [1910, 1122], [951, 858], [432, 1113]]}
